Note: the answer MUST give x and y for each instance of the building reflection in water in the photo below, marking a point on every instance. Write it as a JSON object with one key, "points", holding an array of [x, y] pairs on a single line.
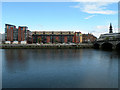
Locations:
{"points": [[71, 67], [18, 59]]}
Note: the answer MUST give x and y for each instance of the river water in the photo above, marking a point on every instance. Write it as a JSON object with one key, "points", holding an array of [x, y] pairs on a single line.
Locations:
{"points": [[59, 68]]}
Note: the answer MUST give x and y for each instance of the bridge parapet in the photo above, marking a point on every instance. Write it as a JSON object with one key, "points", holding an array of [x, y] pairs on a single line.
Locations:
{"points": [[107, 43]]}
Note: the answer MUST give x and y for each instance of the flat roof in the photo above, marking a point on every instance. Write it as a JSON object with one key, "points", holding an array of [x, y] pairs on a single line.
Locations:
{"points": [[23, 26], [52, 31], [9, 25], [110, 34]]}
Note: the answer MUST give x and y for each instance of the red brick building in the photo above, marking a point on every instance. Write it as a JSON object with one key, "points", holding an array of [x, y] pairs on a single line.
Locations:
{"points": [[88, 38], [9, 30], [56, 37], [12, 34], [78, 37], [22, 33]]}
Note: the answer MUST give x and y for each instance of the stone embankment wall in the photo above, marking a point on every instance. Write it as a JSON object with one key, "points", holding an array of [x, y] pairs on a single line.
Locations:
{"points": [[44, 46]]}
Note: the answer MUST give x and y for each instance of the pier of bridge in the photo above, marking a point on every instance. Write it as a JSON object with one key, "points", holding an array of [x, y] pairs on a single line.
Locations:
{"points": [[111, 44]]}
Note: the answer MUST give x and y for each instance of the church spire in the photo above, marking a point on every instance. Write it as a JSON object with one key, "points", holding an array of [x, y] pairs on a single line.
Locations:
{"points": [[110, 29]]}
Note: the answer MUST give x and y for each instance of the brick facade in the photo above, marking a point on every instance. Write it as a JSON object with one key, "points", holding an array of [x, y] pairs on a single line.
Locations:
{"points": [[65, 39], [88, 38], [57, 37], [48, 39], [19, 34], [78, 37], [13, 34], [22, 34]]}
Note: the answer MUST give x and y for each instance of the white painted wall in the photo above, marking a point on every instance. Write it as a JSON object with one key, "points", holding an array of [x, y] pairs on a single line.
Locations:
{"points": [[23, 42], [7, 42], [15, 42]]}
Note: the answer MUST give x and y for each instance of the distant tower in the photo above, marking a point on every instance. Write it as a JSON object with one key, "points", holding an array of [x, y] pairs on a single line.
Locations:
{"points": [[110, 29]]}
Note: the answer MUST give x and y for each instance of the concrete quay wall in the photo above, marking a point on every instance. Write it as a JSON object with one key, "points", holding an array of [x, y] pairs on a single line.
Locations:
{"points": [[45, 46]]}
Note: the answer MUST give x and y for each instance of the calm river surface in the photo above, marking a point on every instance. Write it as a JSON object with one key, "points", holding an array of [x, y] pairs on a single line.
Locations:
{"points": [[59, 68]]}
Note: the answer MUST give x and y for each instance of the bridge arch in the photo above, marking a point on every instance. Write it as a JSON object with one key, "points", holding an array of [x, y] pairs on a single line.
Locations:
{"points": [[107, 45], [96, 45], [118, 46]]}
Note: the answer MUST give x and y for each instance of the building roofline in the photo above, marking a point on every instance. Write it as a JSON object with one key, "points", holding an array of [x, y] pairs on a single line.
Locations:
{"points": [[110, 33], [9, 24], [53, 31], [23, 26]]}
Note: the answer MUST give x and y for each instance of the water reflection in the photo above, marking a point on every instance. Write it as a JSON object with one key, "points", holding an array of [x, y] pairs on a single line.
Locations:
{"points": [[60, 68], [15, 59]]}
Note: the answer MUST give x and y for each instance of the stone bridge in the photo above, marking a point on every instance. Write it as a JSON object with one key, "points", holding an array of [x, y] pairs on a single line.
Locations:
{"points": [[110, 44]]}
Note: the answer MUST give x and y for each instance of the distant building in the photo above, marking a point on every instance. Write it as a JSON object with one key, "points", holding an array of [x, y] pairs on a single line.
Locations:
{"points": [[22, 34], [88, 38], [0, 38], [14, 35], [56, 37], [9, 32], [110, 35], [29, 37], [110, 29], [3, 37]]}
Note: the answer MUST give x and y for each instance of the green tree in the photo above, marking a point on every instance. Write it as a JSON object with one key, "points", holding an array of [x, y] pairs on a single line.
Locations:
{"points": [[107, 38], [56, 41], [113, 37], [39, 40]]}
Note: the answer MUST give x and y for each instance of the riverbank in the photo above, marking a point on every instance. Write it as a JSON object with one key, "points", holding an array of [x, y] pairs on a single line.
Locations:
{"points": [[45, 46]]}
